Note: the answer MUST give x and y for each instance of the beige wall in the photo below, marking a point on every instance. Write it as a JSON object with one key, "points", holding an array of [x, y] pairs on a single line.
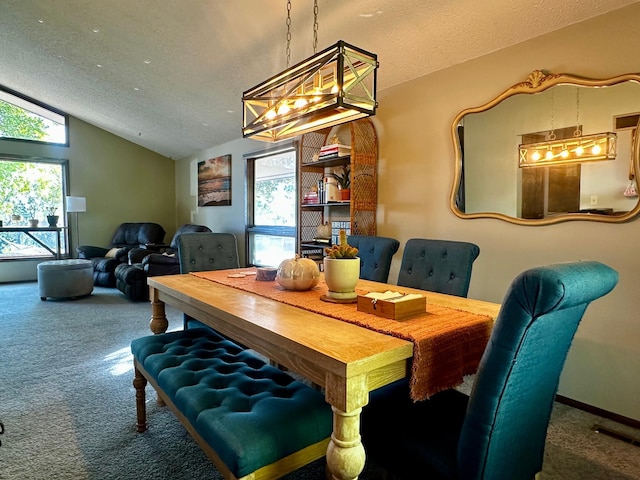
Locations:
{"points": [[229, 219], [121, 181], [416, 169]]}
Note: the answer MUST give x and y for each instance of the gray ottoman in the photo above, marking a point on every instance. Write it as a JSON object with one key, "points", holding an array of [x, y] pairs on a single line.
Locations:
{"points": [[65, 278]]}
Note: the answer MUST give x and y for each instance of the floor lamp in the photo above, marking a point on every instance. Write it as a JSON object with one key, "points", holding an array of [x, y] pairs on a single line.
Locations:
{"points": [[75, 205]]}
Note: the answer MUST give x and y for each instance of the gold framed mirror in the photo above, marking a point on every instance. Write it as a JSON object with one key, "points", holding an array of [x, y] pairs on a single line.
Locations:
{"points": [[553, 148]]}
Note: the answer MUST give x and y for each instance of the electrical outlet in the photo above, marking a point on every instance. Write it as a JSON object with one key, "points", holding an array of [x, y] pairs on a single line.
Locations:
{"points": [[594, 200]]}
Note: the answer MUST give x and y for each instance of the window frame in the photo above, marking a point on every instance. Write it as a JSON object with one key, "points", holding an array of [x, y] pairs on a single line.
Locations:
{"points": [[64, 236], [268, 230], [41, 105]]}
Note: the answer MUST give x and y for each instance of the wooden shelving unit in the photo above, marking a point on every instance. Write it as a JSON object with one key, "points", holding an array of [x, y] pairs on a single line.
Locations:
{"points": [[359, 213]]}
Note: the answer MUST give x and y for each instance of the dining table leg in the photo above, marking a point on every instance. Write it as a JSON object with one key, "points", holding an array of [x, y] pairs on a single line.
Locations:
{"points": [[345, 453], [159, 322]]}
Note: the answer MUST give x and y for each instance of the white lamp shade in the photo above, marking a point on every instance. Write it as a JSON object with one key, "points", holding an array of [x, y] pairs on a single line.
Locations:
{"points": [[76, 204]]}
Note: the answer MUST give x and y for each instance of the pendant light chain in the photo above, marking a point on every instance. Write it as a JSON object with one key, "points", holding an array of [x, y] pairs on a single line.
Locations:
{"points": [[315, 26], [578, 131], [552, 134], [288, 33]]}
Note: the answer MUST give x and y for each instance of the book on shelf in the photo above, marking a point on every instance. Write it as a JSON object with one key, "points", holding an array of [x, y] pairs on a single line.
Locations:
{"points": [[333, 155], [335, 150], [334, 146]]}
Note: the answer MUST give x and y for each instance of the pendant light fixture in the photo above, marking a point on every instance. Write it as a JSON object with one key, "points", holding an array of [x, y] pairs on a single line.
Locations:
{"points": [[334, 86], [579, 149]]}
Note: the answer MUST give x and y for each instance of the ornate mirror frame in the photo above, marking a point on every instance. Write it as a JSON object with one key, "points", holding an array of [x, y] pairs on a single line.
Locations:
{"points": [[539, 81]]}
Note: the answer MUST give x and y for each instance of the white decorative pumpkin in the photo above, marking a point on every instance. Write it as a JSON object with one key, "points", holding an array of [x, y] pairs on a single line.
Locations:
{"points": [[298, 273]]}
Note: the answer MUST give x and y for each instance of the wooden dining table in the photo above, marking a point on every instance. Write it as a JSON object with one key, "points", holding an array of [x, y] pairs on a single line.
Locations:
{"points": [[346, 359]]}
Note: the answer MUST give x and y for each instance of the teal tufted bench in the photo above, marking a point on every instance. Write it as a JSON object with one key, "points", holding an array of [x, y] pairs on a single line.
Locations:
{"points": [[253, 420]]}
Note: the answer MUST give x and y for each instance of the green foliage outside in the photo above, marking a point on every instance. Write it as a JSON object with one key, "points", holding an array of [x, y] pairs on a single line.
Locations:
{"points": [[275, 199], [16, 122], [28, 189], [31, 190]]}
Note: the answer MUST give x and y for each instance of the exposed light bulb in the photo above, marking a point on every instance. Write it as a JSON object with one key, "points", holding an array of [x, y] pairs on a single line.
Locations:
{"points": [[283, 109], [271, 114], [564, 153], [300, 102], [535, 156], [579, 150], [548, 155]]}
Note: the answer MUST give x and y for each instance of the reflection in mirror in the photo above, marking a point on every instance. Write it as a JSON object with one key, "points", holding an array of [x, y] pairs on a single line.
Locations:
{"points": [[550, 149]]}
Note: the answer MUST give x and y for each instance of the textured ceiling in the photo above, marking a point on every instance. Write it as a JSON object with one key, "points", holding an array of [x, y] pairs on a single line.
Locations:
{"points": [[172, 73]]}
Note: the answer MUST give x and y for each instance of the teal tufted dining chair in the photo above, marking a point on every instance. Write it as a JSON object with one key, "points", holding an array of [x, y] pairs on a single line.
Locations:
{"points": [[499, 431], [205, 251], [375, 255], [442, 266]]}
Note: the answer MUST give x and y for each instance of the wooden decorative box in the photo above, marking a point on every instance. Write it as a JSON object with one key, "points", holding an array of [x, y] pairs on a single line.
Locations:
{"points": [[395, 307]]}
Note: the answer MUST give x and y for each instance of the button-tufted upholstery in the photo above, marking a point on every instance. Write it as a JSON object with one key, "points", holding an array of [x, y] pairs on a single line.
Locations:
{"points": [[250, 413], [206, 251], [442, 266], [499, 431], [200, 252], [375, 255]]}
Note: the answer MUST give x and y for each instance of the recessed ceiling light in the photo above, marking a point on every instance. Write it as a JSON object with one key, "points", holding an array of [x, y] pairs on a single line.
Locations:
{"points": [[41, 21], [231, 111], [95, 30], [366, 15], [136, 88], [205, 124], [147, 62], [99, 65]]}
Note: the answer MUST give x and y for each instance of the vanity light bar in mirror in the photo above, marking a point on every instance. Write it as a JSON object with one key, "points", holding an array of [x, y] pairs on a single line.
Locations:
{"points": [[587, 148]]}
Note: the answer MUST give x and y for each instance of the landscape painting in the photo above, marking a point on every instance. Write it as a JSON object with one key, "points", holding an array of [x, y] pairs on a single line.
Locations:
{"points": [[214, 182]]}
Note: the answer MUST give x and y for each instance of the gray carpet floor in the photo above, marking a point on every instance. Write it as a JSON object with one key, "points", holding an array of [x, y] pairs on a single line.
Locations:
{"points": [[67, 403]]}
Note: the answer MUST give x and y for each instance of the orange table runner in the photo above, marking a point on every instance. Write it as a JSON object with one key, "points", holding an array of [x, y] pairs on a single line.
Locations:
{"points": [[448, 343]]}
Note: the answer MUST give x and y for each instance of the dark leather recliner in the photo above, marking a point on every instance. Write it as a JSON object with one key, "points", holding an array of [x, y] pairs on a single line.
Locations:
{"points": [[131, 277], [126, 237]]}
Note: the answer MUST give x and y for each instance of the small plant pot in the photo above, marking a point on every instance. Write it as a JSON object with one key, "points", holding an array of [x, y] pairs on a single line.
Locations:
{"points": [[53, 220], [345, 194], [33, 223], [341, 276]]}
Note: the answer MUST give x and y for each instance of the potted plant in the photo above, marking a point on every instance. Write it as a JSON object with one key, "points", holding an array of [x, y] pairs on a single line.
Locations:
{"points": [[52, 218], [32, 211], [341, 270], [344, 181]]}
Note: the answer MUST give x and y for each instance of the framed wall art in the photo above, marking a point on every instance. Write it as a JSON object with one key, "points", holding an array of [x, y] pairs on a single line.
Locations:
{"points": [[214, 182]]}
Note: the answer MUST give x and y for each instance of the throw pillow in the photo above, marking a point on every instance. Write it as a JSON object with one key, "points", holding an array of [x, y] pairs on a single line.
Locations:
{"points": [[113, 253]]}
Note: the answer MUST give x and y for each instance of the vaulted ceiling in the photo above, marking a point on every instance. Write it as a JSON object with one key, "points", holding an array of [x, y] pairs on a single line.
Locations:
{"points": [[169, 75]]}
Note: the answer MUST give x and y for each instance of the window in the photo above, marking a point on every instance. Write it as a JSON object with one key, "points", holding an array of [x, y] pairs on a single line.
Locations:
{"points": [[22, 118], [271, 206], [31, 189]]}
